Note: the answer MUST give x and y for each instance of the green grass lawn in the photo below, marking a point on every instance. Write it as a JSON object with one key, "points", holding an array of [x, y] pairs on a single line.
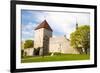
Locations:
{"points": [[63, 57]]}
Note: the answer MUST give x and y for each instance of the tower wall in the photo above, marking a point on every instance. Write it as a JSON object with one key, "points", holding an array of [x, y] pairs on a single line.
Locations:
{"points": [[46, 37], [42, 40], [38, 39]]}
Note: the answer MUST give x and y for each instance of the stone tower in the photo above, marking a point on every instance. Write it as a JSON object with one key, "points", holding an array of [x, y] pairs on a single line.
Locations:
{"points": [[41, 40]]}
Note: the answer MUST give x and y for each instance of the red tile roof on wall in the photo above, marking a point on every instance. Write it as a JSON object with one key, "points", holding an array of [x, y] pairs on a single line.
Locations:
{"points": [[45, 25]]}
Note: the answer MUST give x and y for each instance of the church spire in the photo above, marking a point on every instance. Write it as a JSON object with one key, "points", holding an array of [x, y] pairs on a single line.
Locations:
{"points": [[76, 25]]}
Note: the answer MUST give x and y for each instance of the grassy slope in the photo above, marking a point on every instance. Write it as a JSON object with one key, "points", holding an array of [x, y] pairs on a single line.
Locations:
{"points": [[67, 57]]}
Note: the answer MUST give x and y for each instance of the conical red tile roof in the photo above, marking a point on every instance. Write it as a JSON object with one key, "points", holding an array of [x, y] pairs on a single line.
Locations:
{"points": [[45, 25]]}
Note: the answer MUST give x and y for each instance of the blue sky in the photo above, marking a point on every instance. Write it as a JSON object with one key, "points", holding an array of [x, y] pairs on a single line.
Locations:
{"points": [[62, 23]]}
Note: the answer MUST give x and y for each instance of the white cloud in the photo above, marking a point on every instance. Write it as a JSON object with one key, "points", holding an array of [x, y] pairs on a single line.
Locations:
{"points": [[61, 22], [65, 23], [39, 15], [28, 31]]}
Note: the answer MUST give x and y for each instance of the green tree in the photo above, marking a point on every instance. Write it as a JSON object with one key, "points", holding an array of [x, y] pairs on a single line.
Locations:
{"points": [[81, 38], [28, 44], [22, 45]]}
